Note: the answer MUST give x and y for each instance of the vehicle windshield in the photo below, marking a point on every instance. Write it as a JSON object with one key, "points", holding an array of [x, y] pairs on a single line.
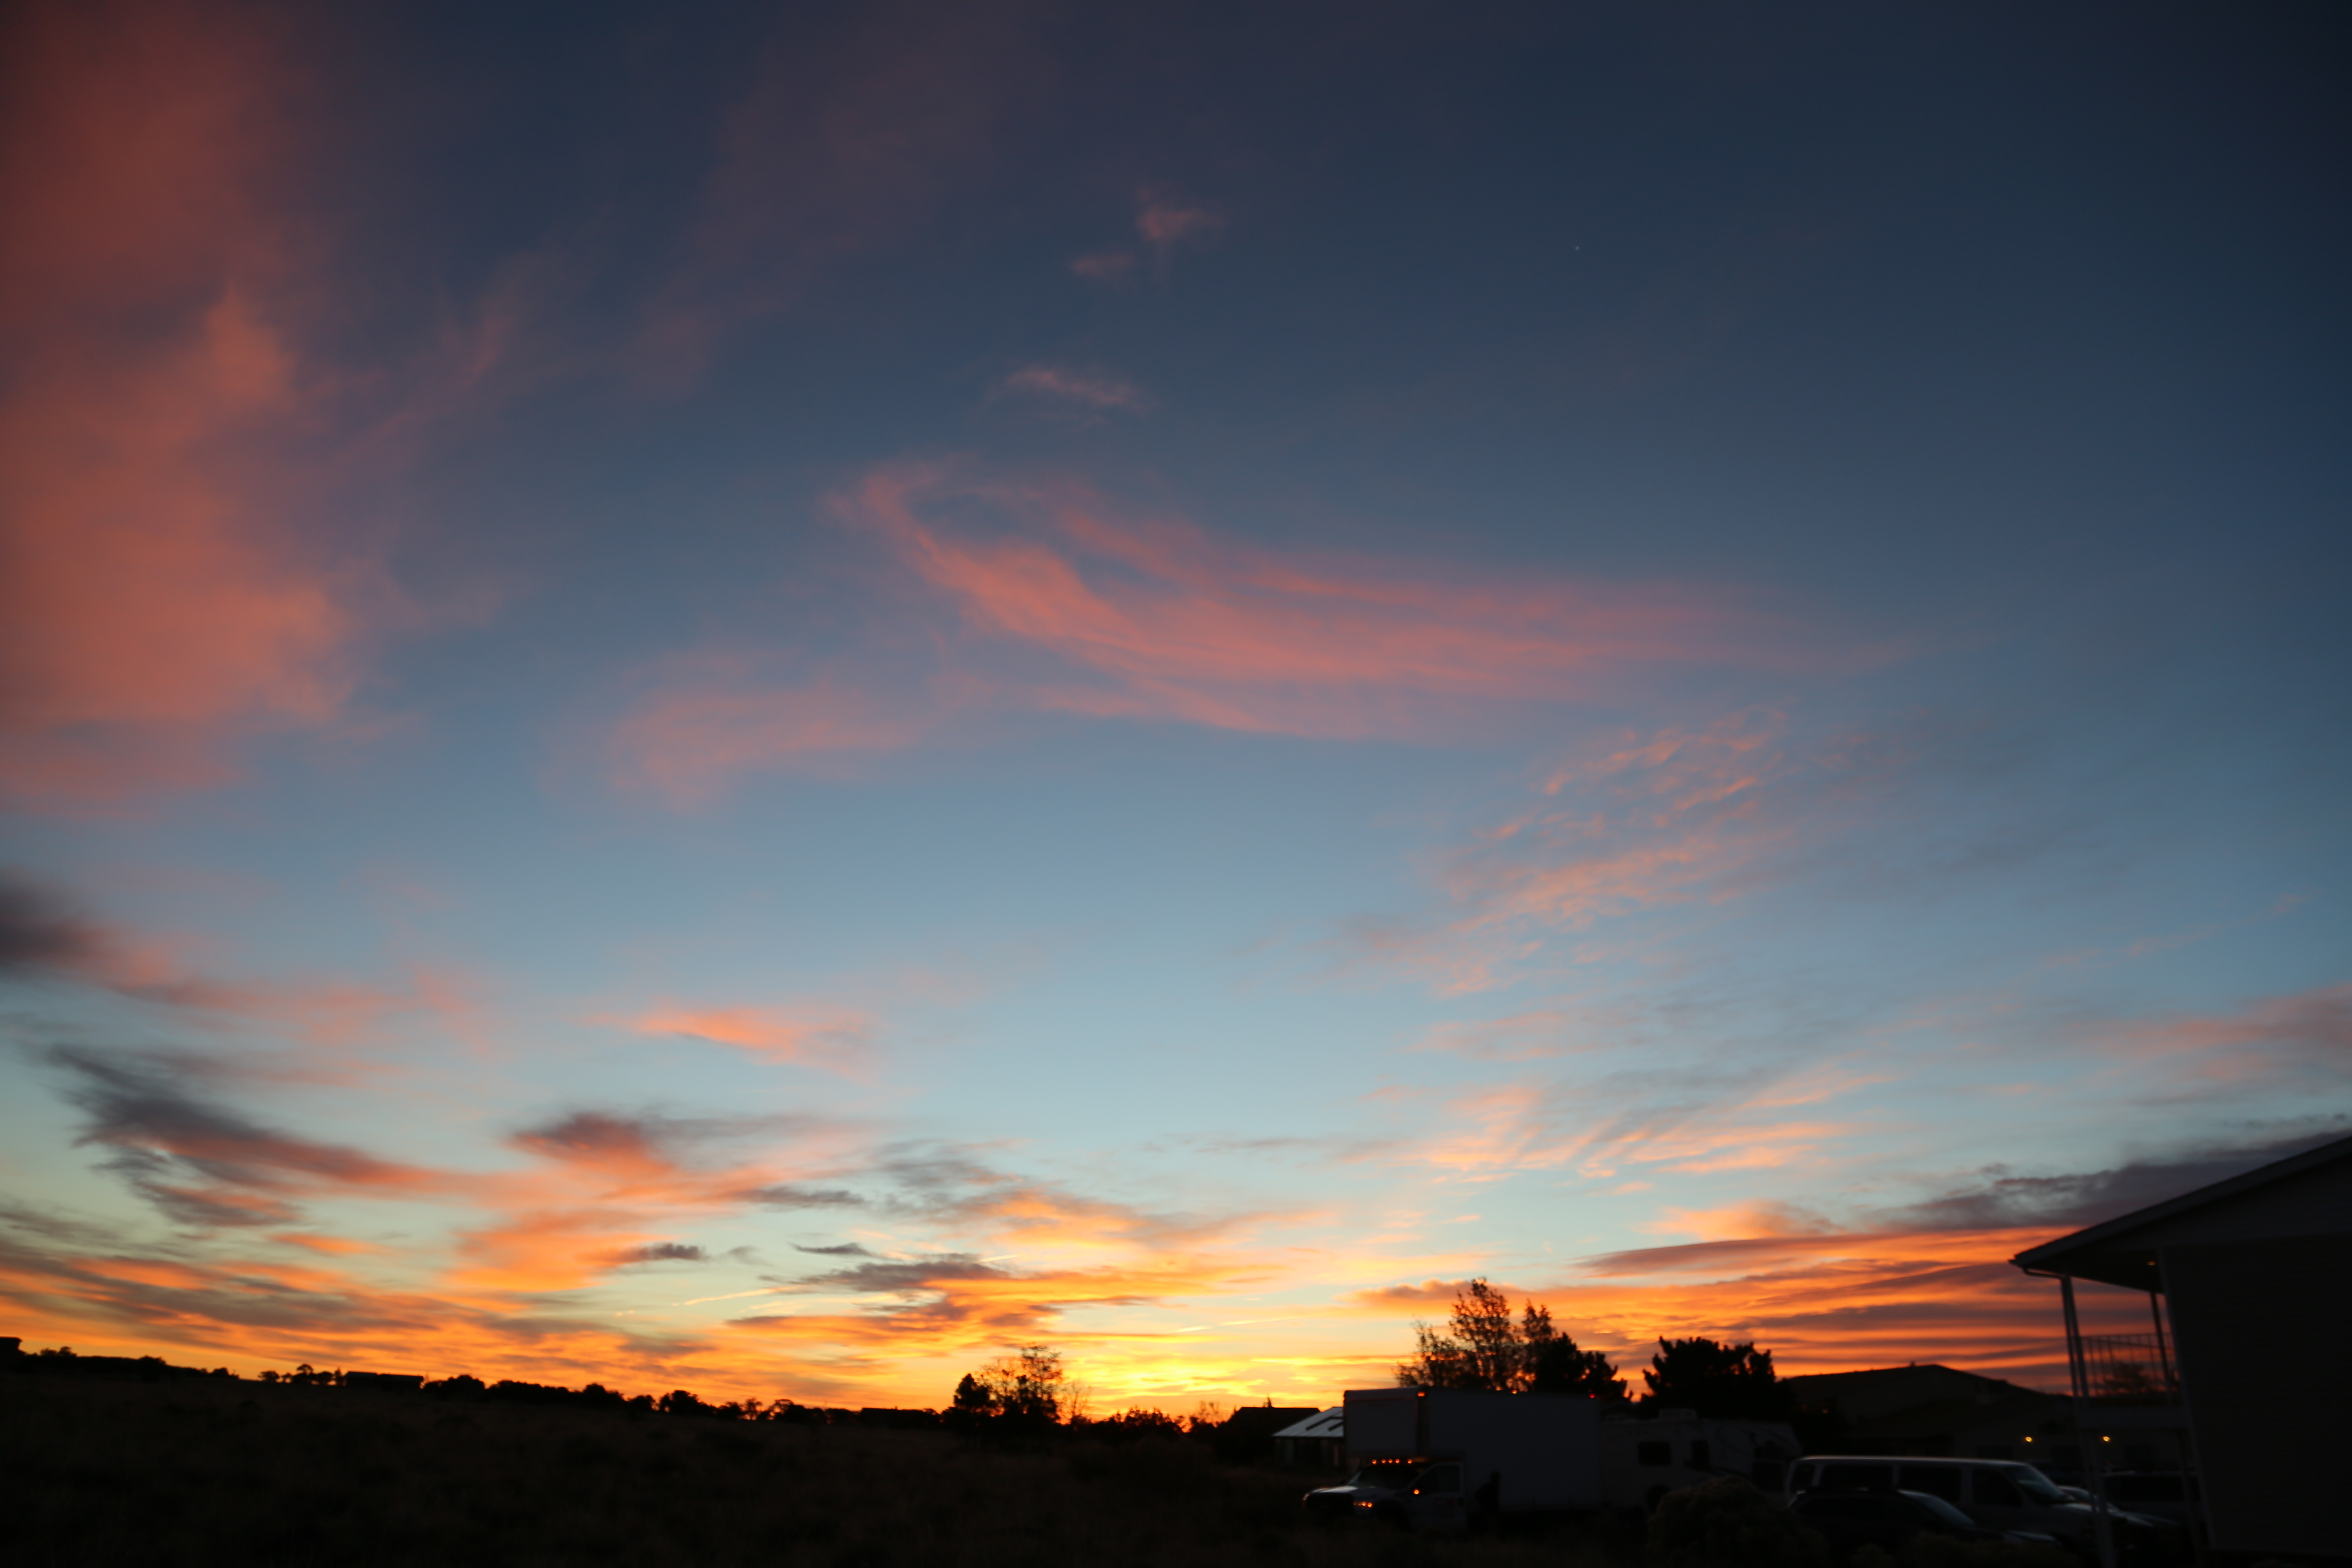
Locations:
{"points": [[1939, 1508], [2034, 1484], [1395, 1477]]}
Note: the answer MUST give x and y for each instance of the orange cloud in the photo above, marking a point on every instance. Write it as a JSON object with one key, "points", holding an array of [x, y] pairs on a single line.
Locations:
{"points": [[837, 1040], [1820, 1302]]}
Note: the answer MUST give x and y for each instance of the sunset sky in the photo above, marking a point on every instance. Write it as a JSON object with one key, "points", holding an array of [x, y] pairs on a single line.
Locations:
{"points": [[764, 698]]}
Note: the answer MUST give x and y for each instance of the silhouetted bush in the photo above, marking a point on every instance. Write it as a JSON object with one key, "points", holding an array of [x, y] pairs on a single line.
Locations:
{"points": [[1727, 1524], [1129, 1426]]}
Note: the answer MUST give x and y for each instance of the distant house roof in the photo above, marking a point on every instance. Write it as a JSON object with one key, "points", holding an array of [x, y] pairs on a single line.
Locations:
{"points": [[1263, 1420], [1827, 1383], [1875, 1392], [2303, 1195], [1331, 1423], [1956, 1415]]}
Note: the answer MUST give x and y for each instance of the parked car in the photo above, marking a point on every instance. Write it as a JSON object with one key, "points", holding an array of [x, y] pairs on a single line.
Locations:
{"points": [[1374, 1490], [1999, 1494], [1888, 1519], [2160, 1494]]}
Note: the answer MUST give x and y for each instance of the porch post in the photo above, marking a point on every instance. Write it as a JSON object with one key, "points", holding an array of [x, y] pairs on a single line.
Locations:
{"points": [[2078, 1368]]}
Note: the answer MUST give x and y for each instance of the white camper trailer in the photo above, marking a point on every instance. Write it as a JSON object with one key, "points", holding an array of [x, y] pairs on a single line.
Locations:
{"points": [[1642, 1460]]}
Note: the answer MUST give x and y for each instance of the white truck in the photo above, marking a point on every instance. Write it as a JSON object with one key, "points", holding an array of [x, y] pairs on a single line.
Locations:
{"points": [[1458, 1454]]}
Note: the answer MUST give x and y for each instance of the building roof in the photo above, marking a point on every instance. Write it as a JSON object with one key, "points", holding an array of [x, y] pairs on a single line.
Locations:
{"points": [[2296, 1195], [1331, 1423], [1875, 1392], [1949, 1416]]}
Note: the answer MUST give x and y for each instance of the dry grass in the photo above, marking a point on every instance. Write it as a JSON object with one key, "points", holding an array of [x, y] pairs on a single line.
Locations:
{"points": [[195, 1472]]}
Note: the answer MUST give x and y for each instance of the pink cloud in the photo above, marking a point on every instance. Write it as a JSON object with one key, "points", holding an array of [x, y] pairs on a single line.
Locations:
{"points": [[1104, 266], [1085, 388], [1059, 602], [1642, 822], [1163, 219], [1160, 619], [174, 439], [712, 719], [2302, 1034], [158, 597], [833, 153]]}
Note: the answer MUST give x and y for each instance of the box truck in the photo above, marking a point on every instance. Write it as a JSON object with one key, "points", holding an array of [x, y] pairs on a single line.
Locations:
{"points": [[1448, 1456]]}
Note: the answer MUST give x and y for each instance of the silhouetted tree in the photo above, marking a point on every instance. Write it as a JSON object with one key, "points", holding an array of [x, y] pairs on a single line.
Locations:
{"points": [[1482, 1347], [1717, 1380], [1027, 1390], [1555, 1364]]}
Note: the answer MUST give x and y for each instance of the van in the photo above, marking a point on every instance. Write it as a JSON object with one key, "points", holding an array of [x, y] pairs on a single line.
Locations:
{"points": [[2000, 1494]]}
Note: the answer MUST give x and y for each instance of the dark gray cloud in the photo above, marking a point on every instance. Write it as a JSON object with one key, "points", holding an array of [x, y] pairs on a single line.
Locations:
{"points": [[786, 1195], [200, 1161], [662, 1252], [2001, 1198], [840, 1249], [41, 934], [603, 1136], [909, 1277]]}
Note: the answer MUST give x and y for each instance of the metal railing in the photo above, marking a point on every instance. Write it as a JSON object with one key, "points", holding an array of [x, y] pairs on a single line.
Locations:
{"points": [[2130, 1369]]}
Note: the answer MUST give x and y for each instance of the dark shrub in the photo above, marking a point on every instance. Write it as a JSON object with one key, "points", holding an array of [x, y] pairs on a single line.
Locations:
{"points": [[1727, 1524]]}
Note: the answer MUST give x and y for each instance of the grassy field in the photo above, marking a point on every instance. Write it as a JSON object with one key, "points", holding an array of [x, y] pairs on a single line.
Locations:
{"points": [[201, 1472]]}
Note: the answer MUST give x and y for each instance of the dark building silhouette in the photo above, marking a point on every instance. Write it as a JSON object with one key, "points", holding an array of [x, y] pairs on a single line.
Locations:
{"points": [[390, 1381], [1318, 1442], [2245, 1373], [1938, 1411], [1247, 1436]]}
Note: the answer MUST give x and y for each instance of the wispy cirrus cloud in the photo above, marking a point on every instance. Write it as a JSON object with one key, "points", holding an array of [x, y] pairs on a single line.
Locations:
{"points": [[1165, 222], [1054, 600], [45, 936], [834, 1039], [1088, 391], [852, 132], [2266, 1039], [203, 1165], [1639, 822], [1164, 218]]}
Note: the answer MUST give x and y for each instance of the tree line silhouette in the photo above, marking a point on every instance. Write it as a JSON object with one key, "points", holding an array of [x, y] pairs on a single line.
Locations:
{"points": [[1029, 1393], [1482, 1345]]}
